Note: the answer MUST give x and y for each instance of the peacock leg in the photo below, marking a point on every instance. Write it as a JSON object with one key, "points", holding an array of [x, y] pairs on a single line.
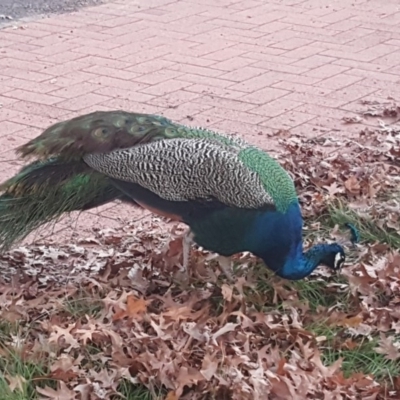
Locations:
{"points": [[186, 246], [225, 265]]}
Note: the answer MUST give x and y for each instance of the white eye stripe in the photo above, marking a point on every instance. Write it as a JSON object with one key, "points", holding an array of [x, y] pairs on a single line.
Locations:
{"points": [[338, 260]]}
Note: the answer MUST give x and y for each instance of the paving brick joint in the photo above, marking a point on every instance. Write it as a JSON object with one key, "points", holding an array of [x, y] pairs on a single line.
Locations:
{"points": [[247, 67]]}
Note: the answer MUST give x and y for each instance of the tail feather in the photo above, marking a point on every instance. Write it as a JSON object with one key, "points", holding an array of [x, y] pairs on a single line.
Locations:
{"points": [[44, 190]]}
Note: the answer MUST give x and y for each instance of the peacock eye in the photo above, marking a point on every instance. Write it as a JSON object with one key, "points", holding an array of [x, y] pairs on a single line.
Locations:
{"points": [[100, 132]]}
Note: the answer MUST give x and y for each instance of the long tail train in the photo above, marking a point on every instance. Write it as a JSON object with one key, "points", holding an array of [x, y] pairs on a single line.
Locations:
{"points": [[44, 190]]}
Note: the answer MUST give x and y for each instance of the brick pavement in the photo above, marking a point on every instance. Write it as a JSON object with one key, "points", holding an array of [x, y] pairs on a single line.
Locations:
{"points": [[250, 67]]}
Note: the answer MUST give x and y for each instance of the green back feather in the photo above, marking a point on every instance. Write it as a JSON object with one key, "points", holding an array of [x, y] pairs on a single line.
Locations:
{"points": [[276, 181]]}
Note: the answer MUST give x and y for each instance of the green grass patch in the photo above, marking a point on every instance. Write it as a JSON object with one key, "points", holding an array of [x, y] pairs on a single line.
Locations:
{"points": [[25, 375], [83, 303], [138, 392], [361, 357]]}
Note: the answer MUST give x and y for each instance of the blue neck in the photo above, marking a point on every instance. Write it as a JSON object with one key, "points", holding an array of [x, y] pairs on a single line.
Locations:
{"points": [[277, 239], [299, 265]]}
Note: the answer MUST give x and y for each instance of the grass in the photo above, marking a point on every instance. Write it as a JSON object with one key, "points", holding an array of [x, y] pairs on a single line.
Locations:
{"points": [[370, 232], [360, 358], [30, 375], [81, 304], [138, 392]]}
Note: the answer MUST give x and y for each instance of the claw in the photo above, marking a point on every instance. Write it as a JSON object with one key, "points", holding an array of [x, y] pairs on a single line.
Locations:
{"points": [[225, 265], [186, 247]]}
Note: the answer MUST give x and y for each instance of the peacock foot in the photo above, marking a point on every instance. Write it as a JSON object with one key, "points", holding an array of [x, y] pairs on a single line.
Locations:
{"points": [[186, 247], [225, 265]]}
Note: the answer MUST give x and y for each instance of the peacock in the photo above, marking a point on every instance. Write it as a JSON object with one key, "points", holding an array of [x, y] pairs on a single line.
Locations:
{"points": [[233, 196]]}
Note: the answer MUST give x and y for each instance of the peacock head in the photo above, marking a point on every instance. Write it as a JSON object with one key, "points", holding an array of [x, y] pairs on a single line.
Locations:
{"points": [[333, 256]]}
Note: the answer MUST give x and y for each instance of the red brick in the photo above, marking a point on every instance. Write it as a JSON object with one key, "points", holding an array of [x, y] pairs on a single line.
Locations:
{"points": [[38, 109], [11, 142], [36, 121], [234, 115], [297, 19], [304, 51], [115, 92], [134, 105], [225, 103], [146, 54], [117, 73], [264, 95], [292, 43], [273, 26], [158, 77], [242, 74], [165, 87], [19, 54], [361, 65], [338, 16], [350, 55], [225, 54], [203, 49], [23, 74], [276, 107], [389, 60], [381, 76], [6, 113], [349, 36], [71, 78], [326, 71], [314, 61], [187, 112], [6, 63], [182, 59], [118, 83], [256, 83], [339, 81], [104, 62], [290, 119], [150, 65], [40, 98], [329, 112], [272, 66], [67, 58], [233, 63], [53, 49], [352, 92], [84, 101], [37, 87], [72, 91], [174, 99], [313, 99], [101, 52], [197, 79], [9, 127], [31, 32], [195, 70], [43, 26], [7, 34], [5, 101]]}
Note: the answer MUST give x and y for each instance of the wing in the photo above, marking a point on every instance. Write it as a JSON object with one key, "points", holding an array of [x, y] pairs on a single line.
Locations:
{"points": [[184, 170], [105, 131]]}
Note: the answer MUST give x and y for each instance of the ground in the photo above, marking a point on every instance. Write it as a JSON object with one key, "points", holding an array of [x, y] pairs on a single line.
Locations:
{"points": [[254, 68]]}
